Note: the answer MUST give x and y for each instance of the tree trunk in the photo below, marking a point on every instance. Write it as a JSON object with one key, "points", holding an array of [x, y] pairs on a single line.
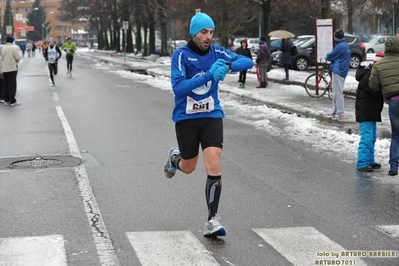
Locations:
{"points": [[151, 24], [137, 17], [145, 51], [266, 19], [225, 23], [350, 15], [325, 9], [164, 31], [129, 47]]}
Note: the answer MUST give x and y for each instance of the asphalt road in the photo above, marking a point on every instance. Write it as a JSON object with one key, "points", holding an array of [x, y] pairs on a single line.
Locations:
{"points": [[283, 203]]}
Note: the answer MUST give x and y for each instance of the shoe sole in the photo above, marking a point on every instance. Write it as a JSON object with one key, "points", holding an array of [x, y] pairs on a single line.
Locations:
{"points": [[219, 232], [167, 168], [169, 172]]}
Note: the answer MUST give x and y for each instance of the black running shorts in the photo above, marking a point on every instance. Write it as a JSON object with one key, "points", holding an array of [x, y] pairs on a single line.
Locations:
{"points": [[191, 133]]}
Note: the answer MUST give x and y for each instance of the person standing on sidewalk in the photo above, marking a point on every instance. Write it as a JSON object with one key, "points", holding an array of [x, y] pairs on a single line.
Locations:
{"points": [[340, 58], [10, 57], [243, 50], [368, 107], [262, 61], [69, 47], [286, 56], [384, 77], [51, 54], [196, 70]]}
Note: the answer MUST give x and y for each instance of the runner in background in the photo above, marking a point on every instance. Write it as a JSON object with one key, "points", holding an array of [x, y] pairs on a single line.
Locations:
{"points": [[69, 47], [51, 54]]}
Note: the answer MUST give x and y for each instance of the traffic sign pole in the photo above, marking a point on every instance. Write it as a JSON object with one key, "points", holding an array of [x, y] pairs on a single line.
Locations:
{"points": [[125, 27]]}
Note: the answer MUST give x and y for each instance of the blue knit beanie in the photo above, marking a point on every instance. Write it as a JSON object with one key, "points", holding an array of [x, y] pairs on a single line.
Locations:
{"points": [[199, 22], [10, 39]]}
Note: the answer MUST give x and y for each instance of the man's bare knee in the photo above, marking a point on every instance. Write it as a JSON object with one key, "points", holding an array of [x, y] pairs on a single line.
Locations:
{"points": [[188, 166]]}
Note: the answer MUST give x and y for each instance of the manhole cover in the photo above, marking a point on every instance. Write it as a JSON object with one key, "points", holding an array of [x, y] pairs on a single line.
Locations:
{"points": [[38, 162]]}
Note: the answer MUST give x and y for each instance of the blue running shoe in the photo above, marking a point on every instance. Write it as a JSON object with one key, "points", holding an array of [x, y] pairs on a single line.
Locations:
{"points": [[213, 227], [168, 168]]}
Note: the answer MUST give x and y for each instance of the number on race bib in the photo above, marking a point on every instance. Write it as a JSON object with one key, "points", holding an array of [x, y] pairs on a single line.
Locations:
{"points": [[200, 106]]}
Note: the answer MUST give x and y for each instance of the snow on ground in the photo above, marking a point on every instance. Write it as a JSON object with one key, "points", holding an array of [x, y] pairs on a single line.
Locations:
{"points": [[326, 138]]}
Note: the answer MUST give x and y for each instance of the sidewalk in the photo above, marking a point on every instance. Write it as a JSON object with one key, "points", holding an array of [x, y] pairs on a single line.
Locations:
{"points": [[287, 96]]}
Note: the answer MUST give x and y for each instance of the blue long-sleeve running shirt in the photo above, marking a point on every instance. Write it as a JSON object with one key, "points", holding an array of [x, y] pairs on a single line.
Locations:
{"points": [[196, 92]]}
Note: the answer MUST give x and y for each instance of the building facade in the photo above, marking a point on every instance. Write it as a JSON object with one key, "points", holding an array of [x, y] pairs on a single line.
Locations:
{"points": [[59, 30]]}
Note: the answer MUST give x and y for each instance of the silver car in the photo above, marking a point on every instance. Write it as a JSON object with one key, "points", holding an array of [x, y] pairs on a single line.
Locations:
{"points": [[375, 44]]}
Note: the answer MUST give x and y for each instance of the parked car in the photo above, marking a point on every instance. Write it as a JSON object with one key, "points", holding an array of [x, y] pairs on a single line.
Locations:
{"points": [[358, 51], [169, 45], [375, 44], [177, 43], [276, 42], [253, 44], [306, 53], [274, 45], [297, 41], [364, 37], [304, 58]]}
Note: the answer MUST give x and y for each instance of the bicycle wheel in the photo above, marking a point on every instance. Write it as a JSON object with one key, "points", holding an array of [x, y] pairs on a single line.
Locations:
{"points": [[316, 85], [330, 93]]}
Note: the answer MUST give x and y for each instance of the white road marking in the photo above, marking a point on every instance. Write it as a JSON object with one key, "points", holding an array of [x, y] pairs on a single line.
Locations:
{"points": [[304, 246], [55, 97], [169, 248], [33, 251], [104, 246], [391, 230]]}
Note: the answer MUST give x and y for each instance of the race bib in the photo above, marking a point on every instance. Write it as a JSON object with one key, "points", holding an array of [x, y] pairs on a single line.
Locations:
{"points": [[201, 106], [51, 59]]}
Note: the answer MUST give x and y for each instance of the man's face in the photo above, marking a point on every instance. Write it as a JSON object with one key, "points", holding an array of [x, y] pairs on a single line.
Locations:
{"points": [[203, 38], [51, 43]]}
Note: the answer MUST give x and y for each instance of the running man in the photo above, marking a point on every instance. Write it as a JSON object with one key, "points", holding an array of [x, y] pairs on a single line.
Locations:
{"points": [[51, 57], [196, 70], [69, 47]]}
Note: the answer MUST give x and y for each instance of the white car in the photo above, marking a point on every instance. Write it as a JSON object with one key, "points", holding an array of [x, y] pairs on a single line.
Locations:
{"points": [[179, 43], [253, 44], [375, 44]]}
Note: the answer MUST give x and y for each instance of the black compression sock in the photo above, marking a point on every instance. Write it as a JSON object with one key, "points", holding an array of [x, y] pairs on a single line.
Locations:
{"points": [[213, 190]]}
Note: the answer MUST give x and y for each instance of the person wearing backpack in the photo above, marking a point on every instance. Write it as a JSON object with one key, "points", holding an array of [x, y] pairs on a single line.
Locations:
{"points": [[286, 56]]}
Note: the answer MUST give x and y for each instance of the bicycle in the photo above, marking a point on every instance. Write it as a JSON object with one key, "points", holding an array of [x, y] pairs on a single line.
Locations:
{"points": [[318, 84]]}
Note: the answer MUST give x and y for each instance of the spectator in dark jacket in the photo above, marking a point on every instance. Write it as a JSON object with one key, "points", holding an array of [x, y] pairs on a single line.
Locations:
{"points": [[286, 56], [243, 50], [262, 61], [368, 107]]}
